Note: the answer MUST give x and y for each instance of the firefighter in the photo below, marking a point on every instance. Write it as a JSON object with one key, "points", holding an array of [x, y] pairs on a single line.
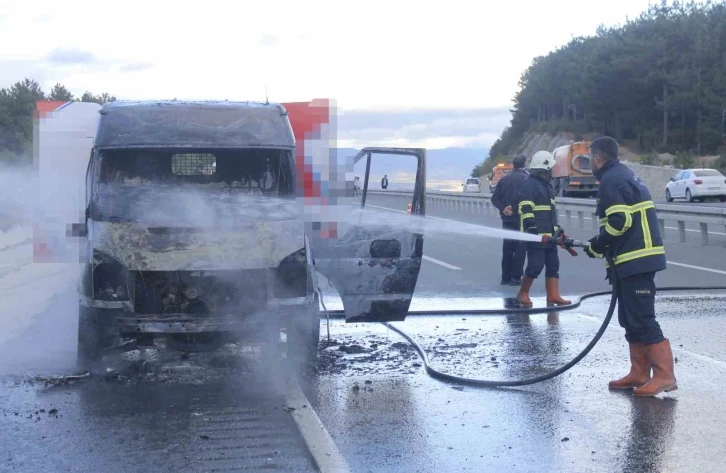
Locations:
{"points": [[629, 233], [538, 215], [505, 198]]}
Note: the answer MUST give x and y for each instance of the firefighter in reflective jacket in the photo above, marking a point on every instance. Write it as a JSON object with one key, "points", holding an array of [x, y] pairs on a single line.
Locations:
{"points": [[629, 233], [538, 215]]}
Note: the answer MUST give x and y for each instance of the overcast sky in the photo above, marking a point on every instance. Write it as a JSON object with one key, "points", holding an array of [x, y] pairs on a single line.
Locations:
{"points": [[371, 57]]}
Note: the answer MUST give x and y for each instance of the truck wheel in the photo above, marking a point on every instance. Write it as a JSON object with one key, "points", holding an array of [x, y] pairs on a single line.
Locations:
{"points": [[90, 339], [303, 334]]}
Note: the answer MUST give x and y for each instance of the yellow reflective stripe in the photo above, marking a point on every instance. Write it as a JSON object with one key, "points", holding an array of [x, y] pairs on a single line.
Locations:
{"points": [[603, 221], [617, 208], [522, 218], [631, 255], [596, 253], [615, 232], [540, 208], [648, 204], [525, 202], [646, 229]]}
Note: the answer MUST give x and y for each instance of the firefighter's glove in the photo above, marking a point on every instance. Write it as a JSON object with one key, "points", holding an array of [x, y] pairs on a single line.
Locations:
{"points": [[588, 252], [595, 250]]}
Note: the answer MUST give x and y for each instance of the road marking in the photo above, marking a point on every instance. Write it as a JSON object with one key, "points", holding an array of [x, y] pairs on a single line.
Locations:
{"points": [[427, 258], [700, 357], [441, 263], [710, 270], [385, 208], [317, 438], [705, 358]]}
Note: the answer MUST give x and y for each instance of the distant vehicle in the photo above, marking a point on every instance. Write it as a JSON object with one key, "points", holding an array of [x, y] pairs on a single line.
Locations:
{"points": [[499, 171], [572, 174], [472, 185], [696, 184]]}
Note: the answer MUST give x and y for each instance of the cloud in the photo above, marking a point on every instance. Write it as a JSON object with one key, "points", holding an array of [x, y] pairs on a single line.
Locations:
{"points": [[268, 40], [71, 57], [442, 128], [136, 67]]}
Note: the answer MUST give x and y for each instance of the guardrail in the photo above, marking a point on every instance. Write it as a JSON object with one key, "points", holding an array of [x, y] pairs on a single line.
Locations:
{"points": [[480, 204]]}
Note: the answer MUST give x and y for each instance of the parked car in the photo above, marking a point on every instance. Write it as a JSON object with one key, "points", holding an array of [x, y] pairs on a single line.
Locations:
{"points": [[696, 184], [472, 185]]}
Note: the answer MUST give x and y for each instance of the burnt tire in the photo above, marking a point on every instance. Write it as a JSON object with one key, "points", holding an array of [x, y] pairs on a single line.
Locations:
{"points": [[92, 339], [303, 335]]}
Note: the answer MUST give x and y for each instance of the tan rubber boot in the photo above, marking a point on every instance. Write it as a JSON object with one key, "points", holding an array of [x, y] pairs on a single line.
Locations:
{"points": [[639, 369], [523, 294], [660, 357], [553, 293]]}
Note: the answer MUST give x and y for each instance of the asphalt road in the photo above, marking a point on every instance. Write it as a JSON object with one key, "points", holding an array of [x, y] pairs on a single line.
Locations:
{"points": [[229, 411]]}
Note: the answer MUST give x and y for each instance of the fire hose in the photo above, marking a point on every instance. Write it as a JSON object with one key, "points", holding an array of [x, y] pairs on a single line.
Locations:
{"points": [[561, 240]]}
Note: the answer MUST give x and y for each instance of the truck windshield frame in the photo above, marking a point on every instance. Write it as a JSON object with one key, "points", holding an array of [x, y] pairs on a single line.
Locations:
{"points": [[125, 179]]}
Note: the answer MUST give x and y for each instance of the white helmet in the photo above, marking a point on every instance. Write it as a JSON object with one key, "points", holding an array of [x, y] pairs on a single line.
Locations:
{"points": [[542, 160]]}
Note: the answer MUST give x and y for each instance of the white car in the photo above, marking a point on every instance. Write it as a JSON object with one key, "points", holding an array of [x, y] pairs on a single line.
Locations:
{"points": [[472, 185], [696, 184]]}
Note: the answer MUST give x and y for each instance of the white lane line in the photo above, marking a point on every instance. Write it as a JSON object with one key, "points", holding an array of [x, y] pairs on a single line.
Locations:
{"points": [[385, 208], [698, 356], [441, 263], [427, 258], [710, 270], [317, 438]]}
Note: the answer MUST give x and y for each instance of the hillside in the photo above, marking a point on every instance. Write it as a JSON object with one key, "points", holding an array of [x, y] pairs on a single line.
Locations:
{"points": [[657, 84]]}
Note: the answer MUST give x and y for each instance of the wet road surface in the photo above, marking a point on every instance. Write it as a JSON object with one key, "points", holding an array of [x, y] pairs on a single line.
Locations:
{"points": [[227, 411], [388, 415], [200, 413]]}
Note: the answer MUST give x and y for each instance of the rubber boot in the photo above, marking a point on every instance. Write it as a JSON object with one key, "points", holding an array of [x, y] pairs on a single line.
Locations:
{"points": [[639, 369], [553, 293], [660, 357], [523, 294]]}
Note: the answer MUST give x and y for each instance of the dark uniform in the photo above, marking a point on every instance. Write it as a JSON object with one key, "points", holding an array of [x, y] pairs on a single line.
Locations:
{"points": [[629, 232], [538, 215], [506, 194]]}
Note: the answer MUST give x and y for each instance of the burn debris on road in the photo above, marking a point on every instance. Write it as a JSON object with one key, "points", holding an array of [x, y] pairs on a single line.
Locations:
{"points": [[368, 354]]}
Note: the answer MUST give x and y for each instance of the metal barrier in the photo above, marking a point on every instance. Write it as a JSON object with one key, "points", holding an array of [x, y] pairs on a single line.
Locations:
{"points": [[581, 209]]}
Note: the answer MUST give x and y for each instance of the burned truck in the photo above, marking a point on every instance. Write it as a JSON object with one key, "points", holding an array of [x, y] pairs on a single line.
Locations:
{"points": [[195, 235]]}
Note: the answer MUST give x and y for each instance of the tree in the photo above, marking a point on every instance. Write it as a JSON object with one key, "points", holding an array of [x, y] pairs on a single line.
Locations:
{"points": [[659, 79], [17, 106], [99, 99], [16, 117], [60, 93]]}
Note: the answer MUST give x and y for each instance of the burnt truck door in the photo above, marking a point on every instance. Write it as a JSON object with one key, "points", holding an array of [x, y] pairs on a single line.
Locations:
{"points": [[374, 259]]}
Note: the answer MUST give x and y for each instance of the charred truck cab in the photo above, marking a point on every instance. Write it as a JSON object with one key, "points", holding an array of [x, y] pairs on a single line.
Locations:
{"points": [[193, 231], [195, 236]]}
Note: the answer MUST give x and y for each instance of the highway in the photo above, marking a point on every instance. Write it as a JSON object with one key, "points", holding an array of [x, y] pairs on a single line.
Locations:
{"points": [[477, 259], [370, 406]]}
